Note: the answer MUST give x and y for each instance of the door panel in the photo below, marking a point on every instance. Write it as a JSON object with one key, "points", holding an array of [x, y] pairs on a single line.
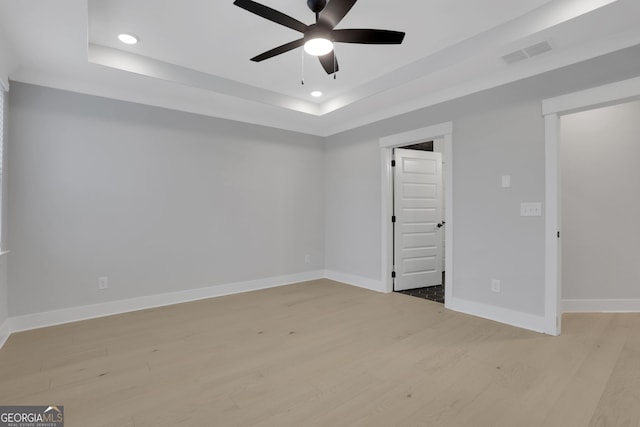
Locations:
{"points": [[418, 207]]}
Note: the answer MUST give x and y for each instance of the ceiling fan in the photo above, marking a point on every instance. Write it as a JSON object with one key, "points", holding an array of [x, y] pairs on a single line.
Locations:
{"points": [[318, 38]]}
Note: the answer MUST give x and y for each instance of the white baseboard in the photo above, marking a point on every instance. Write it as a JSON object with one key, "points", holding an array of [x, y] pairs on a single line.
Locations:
{"points": [[499, 314], [5, 331], [74, 314], [601, 305], [361, 282]]}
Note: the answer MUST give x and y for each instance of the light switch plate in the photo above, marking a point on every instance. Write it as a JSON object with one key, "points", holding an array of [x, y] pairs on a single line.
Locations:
{"points": [[495, 286], [506, 181], [530, 209]]}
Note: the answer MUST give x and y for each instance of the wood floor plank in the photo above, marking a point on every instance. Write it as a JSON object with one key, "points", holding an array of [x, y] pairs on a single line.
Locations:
{"points": [[620, 401], [323, 353]]}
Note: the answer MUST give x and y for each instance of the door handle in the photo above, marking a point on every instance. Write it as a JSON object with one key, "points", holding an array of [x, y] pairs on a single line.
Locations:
{"points": [[441, 224]]}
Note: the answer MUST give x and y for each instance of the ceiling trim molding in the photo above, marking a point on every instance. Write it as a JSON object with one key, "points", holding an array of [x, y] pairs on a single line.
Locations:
{"points": [[449, 57], [441, 76], [601, 96], [555, 60], [416, 135], [126, 61]]}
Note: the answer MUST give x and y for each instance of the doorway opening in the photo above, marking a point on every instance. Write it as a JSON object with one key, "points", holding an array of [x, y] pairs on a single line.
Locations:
{"points": [[553, 109], [599, 269], [441, 135]]}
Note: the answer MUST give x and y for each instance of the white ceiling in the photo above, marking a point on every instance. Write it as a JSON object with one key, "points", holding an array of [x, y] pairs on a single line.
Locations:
{"points": [[194, 55]]}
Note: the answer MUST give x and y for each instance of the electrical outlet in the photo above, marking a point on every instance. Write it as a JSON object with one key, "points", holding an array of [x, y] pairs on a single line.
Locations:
{"points": [[103, 283], [495, 286], [307, 258]]}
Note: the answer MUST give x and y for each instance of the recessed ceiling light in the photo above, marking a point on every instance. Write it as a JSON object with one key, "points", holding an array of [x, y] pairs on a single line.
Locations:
{"points": [[316, 94], [128, 38]]}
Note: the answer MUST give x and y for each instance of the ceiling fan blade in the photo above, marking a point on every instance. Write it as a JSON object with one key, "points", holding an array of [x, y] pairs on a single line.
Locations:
{"points": [[329, 62], [334, 12], [278, 50], [368, 36], [271, 15]]}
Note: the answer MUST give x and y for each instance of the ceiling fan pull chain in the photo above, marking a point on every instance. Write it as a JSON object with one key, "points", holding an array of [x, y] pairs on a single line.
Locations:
{"points": [[335, 60], [302, 77]]}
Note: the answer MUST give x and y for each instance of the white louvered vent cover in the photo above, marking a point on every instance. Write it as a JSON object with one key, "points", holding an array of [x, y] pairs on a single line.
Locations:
{"points": [[516, 56], [527, 52], [538, 49]]}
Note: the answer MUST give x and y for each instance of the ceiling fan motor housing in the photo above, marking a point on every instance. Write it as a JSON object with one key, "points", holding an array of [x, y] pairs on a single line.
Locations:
{"points": [[318, 31], [316, 6]]}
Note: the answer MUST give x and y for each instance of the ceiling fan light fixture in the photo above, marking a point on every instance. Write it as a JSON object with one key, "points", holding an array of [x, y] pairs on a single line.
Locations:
{"points": [[127, 38], [318, 46], [319, 37]]}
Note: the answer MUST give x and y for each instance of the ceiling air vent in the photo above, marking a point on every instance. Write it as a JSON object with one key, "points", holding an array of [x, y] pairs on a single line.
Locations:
{"points": [[516, 56], [527, 52], [537, 49]]}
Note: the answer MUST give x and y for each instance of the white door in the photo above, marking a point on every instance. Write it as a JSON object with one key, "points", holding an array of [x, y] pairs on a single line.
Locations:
{"points": [[418, 227]]}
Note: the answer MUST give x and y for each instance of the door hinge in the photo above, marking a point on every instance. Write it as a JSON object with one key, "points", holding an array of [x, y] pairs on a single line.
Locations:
{"points": [[393, 163], [393, 218], [558, 234], [393, 274]]}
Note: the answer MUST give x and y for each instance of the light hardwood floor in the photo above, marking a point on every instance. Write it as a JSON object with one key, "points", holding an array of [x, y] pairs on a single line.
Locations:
{"points": [[326, 354]]}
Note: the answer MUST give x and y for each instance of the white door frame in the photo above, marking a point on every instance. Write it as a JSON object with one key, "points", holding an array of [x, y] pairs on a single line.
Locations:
{"points": [[553, 109], [440, 131]]}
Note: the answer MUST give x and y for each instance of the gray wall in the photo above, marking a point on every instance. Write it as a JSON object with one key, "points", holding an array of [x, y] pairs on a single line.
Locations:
{"points": [[353, 207], [157, 200], [491, 239], [600, 150]]}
